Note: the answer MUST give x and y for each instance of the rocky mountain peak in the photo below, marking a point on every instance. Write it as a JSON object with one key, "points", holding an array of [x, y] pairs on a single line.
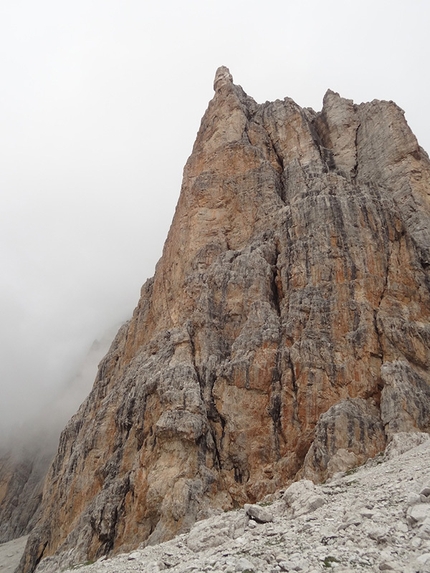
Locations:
{"points": [[285, 332], [222, 77]]}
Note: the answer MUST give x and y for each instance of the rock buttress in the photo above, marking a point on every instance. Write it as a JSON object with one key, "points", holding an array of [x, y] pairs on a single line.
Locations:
{"points": [[295, 277]]}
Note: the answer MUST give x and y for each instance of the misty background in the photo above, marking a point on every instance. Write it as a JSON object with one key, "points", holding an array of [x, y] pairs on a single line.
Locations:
{"points": [[100, 103]]}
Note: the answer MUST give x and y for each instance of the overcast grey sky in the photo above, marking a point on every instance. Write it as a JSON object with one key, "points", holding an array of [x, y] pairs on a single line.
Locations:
{"points": [[100, 104]]}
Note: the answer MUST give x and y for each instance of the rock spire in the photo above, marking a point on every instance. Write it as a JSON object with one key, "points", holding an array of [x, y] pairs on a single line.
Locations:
{"points": [[284, 334]]}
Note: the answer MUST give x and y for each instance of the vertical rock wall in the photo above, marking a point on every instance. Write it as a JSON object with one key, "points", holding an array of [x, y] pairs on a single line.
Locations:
{"points": [[286, 328]]}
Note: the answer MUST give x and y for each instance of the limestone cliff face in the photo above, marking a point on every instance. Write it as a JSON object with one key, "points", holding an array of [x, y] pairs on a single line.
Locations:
{"points": [[286, 328]]}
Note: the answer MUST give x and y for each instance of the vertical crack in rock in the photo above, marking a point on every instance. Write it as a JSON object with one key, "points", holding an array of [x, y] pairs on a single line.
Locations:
{"points": [[378, 328], [354, 170], [276, 285], [338, 220], [280, 161], [295, 418], [206, 382]]}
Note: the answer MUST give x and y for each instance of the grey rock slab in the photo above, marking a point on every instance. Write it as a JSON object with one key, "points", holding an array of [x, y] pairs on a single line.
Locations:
{"points": [[303, 497], [418, 513], [244, 564], [258, 513], [389, 566], [424, 529], [413, 498], [134, 555]]}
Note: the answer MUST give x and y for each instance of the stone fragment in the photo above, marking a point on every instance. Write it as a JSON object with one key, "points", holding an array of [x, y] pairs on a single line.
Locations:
{"points": [[422, 563], [351, 520], [388, 566], [424, 558], [244, 564], [206, 534], [402, 527], [298, 489], [413, 498], [296, 563], [302, 497], [417, 513], [258, 513], [367, 513], [154, 567], [424, 528], [237, 526], [134, 555], [377, 532]]}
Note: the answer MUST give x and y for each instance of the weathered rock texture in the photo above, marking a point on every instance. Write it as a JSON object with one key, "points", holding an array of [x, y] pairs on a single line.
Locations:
{"points": [[295, 277], [22, 472]]}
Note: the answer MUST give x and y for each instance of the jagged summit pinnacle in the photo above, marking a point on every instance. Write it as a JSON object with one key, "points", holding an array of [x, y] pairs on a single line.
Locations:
{"points": [[222, 78]]}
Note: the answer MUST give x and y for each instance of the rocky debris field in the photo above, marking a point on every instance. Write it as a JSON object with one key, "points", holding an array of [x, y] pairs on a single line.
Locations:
{"points": [[374, 518]]}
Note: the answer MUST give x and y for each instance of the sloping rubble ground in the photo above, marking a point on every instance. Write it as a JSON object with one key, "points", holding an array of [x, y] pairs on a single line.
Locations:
{"points": [[376, 518], [10, 554]]}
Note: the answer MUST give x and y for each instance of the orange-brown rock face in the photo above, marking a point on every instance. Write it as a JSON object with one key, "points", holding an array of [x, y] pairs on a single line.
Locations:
{"points": [[286, 328]]}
